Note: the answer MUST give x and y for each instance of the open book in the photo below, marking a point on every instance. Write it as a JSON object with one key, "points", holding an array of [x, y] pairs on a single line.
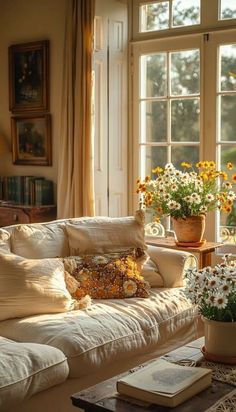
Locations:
{"points": [[165, 383]]}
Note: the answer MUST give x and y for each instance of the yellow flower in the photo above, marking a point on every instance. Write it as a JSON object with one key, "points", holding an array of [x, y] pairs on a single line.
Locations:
{"points": [[186, 164], [212, 164], [206, 164], [229, 166], [227, 208], [204, 176], [225, 176], [157, 170], [199, 165]]}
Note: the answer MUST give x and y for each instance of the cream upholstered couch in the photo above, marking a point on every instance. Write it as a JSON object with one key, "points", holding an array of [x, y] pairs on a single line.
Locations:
{"points": [[49, 349]]}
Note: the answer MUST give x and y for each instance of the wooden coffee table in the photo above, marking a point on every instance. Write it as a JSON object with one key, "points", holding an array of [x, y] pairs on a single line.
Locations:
{"points": [[103, 397]]}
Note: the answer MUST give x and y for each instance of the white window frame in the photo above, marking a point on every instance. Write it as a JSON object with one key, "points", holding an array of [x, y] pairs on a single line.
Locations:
{"points": [[209, 141]]}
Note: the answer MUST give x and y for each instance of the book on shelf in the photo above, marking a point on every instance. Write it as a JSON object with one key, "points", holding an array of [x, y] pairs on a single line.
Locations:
{"points": [[164, 383], [26, 190]]}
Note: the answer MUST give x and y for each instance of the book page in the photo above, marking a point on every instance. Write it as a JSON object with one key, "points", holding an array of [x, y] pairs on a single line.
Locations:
{"points": [[164, 377]]}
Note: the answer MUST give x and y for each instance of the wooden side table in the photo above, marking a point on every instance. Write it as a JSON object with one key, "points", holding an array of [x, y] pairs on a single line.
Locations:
{"points": [[11, 214], [203, 252]]}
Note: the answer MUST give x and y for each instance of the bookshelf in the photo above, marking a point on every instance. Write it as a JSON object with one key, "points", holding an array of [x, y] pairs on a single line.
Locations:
{"points": [[12, 214], [26, 190]]}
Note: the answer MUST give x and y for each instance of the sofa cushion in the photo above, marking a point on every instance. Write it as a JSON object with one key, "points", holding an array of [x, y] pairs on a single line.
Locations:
{"points": [[38, 241], [105, 235], [107, 276], [30, 286], [111, 330], [28, 368], [4, 241], [151, 274]]}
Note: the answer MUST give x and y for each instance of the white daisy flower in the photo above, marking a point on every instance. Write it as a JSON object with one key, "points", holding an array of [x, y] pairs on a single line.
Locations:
{"points": [[226, 185], [129, 287], [210, 197], [220, 301], [231, 195], [188, 199], [174, 187], [203, 209]]}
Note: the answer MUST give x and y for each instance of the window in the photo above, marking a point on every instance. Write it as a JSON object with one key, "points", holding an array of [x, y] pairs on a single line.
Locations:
{"points": [[227, 9], [169, 107], [162, 15], [184, 101]]}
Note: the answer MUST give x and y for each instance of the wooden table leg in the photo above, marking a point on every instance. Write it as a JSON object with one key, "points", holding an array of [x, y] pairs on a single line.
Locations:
{"points": [[205, 259]]}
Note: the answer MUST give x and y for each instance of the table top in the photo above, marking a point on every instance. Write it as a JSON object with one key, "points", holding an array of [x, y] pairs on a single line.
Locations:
{"points": [[169, 242], [103, 397]]}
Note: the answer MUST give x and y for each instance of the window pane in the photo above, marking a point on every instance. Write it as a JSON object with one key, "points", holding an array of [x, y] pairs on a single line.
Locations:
{"points": [[153, 157], [185, 72], [184, 154], [185, 125], [228, 233], [153, 75], [185, 12], [154, 16], [228, 118], [227, 9], [228, 67], [154, 121]]}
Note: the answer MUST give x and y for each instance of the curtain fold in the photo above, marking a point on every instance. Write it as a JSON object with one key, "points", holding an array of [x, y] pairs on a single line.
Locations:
{"points": [[75, 166]]}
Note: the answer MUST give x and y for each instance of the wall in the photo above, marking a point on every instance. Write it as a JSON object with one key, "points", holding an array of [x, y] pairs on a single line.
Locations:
{"points": [[23, 21]]}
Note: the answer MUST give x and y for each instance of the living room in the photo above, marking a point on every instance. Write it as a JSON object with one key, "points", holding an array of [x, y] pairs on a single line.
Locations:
{"points": [[160, 88]]}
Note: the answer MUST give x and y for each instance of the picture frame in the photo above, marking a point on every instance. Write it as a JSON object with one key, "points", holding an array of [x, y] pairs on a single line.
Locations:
{"points": [[29, 77], [31, 140]]}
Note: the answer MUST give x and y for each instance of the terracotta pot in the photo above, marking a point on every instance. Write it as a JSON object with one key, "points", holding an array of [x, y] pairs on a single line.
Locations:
{"points": [[190, 229], [220, 338]]}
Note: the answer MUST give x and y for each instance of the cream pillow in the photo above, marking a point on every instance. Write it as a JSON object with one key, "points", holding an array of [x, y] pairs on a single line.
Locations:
{"points": [[4, 241], [32, 286], [105, 235], [151, 275], [38, 241]]}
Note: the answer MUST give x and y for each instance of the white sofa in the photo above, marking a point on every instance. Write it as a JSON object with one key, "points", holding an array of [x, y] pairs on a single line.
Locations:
{"points": [[47, 353]]}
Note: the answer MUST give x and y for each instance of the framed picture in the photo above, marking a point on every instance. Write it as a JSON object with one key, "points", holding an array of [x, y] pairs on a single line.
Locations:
{"points": [[31, 140], [29, 77]]}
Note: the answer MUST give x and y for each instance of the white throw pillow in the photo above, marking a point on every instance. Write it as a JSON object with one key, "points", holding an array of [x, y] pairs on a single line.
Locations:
{"points": [[4, 241], [32, 286], [151, 275], [38, 241], [105, 235]]}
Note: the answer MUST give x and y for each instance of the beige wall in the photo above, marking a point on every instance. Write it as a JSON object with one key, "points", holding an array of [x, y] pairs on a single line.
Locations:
{"points": [[23, 21]]}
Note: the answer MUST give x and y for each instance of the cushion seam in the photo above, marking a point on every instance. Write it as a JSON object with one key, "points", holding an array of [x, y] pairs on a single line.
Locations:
{"points": [[133, 334], [34, 373]]}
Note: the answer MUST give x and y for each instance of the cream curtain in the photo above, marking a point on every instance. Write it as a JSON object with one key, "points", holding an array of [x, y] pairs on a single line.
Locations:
{"points": [[75, 166]]}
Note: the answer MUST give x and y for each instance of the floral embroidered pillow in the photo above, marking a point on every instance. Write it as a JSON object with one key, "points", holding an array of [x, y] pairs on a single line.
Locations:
{"points": [[107, 276]]}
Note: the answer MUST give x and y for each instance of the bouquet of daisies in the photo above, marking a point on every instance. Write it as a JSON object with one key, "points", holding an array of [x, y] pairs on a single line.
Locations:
{"points": [[213, 290]]}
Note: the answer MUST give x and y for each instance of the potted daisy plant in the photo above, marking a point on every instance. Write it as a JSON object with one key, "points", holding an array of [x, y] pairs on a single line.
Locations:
{"points": [[213, 290], [187, 195]]}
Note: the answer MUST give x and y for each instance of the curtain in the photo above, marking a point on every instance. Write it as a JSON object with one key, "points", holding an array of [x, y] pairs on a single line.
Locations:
{"points": [[75, 163]]}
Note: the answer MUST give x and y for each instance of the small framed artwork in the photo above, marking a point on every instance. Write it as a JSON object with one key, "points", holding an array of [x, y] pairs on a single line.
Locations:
{"points": [[29, 77], [31, 140]]}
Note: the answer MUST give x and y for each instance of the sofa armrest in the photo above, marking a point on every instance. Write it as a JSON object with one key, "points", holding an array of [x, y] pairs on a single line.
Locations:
{"points": [[171, 264]]}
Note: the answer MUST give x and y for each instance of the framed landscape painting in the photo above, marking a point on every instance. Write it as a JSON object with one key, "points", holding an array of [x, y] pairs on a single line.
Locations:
{"points": [[31, 140], [29, 77]]}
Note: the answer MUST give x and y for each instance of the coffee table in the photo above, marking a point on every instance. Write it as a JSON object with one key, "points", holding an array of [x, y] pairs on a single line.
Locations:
{"points": [[103, 397]]}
